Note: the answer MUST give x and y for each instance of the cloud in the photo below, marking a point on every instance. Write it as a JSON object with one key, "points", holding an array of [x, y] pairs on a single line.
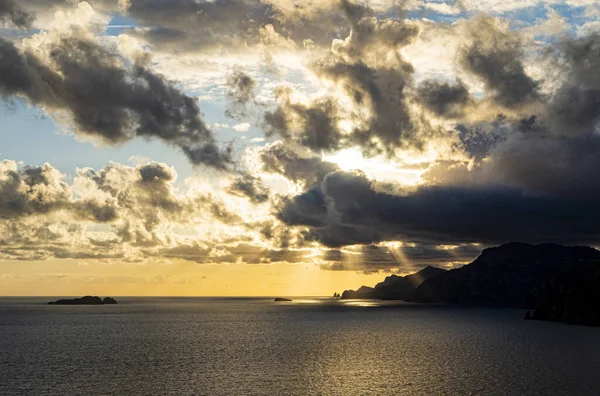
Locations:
{"points": [[368, 66], [240, 92], [302, 168], [574, 108], [199, 26], [133, 213], [105, 98], [226, 26], [445, 99], [238, 253], [30, 190], [42, 14], [554, 25], [372, 82], [251, 187], [495, 120], [11, 11], [494, 54], [313, 125], [349, 209], [503, 6], [112, 212], [243, 127], [443, 8]]}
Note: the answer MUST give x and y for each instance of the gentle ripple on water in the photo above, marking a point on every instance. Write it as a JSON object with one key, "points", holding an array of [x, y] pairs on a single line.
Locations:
{"points": [[257, 347]]}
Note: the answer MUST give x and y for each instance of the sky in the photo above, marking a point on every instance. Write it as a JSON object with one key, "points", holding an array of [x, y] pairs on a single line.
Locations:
{"points": [[283, 147]]}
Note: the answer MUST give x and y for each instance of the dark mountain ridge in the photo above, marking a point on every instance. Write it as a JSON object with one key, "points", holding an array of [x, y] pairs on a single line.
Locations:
{"points": [[514, 274], [394, 287], [562, 283]]}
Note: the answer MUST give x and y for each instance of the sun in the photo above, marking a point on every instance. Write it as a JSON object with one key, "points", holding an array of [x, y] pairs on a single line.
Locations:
{"points": [[378, 168], [348, 159]]}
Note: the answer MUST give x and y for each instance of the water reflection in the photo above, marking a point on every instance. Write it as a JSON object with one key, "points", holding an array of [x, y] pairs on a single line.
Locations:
{"points": [[319, 346], [332, 302], [362, 303]]}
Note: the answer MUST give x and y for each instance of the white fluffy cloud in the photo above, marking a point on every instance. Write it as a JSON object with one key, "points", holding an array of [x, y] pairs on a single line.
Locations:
{"points": [[243, 127]]}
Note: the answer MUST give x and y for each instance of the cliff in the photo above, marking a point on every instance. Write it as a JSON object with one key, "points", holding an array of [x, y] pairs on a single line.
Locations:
{"points": [[513, 274], [573, 297], [394, 287]]}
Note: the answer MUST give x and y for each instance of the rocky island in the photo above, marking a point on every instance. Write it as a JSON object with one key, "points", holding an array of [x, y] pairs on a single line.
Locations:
{"points": [[87, 300]]}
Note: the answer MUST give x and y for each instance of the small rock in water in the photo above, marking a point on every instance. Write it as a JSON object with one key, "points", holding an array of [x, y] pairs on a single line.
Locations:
{"points": [[87, 300]]}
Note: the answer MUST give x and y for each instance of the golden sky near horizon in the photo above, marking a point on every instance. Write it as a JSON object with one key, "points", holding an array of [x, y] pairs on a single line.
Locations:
{"points": [[77, 277]]}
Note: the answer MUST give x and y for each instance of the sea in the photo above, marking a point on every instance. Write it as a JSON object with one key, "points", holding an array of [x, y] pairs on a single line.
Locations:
{"points": [[309, 346]]}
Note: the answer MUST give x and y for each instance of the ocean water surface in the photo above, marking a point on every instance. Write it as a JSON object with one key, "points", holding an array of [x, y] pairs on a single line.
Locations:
{"points": [[254, 346]]}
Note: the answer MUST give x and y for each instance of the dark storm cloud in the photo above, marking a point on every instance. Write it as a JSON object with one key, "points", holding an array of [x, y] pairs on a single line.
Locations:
{"points": [[354, 11], [349, 209], [11, 11], [534, 179], [312, 125], [200, 26], [23, 74], [108, 100], [582, 55], [382, 117], [555, 166], [161, 36], [495, 55], [240, 93], [444, 99], [553, 153], [308, 209], [369, 68], [480, 138], [306, 170], [251, 187], [370, 33], [154, 172], [575, 108], [187, 25], [219, 16]]}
